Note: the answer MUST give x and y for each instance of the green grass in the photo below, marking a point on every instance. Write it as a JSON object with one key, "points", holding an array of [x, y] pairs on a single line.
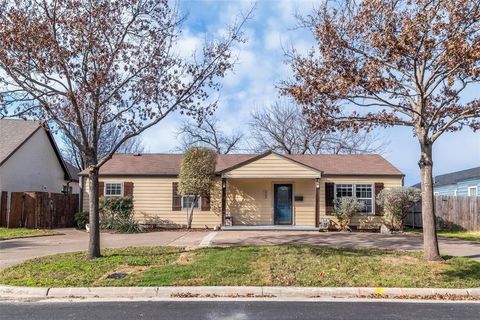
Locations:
{"points": [[463, 235], [270, 266], [6, 233]]}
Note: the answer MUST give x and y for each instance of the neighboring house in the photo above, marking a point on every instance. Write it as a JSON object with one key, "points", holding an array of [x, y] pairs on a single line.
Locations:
{"points": [[30, 159], [460, 183], [267, 190]]}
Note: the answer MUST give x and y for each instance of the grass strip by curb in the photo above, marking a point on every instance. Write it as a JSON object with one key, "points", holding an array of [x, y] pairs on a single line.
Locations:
{"points": [[286, 266]]}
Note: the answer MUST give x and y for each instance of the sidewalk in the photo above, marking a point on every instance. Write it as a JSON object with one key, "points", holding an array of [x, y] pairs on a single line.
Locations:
{"points": [[30, 293]]}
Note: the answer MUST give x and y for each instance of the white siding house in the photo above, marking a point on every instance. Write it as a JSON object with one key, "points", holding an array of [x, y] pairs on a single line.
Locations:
{"points": [[30, 159]]}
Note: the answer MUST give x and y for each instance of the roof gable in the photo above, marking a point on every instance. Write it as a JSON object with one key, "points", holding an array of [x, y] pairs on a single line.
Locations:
{"points": [[14, 133], [271, 164]]}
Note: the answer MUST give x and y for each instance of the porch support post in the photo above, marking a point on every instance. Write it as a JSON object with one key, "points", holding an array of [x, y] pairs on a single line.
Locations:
{"points": [[224, 199], [317, 204]]}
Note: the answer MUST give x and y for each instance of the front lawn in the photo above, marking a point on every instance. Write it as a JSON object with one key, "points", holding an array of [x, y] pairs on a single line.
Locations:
{"points": [[463, 235], [245, 266], [12, 233]]}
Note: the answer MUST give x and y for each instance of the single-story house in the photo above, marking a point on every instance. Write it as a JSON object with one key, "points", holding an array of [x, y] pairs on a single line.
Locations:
{"points": [[459, 183], [252, 190], [31, 161]]}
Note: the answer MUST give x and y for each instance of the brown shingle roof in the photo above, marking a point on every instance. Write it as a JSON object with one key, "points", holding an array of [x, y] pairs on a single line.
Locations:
{"points": [[169, 164]]}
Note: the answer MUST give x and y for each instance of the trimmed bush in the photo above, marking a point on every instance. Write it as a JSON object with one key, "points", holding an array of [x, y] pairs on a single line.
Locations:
{"points": [[345, 209], [396, 204]]}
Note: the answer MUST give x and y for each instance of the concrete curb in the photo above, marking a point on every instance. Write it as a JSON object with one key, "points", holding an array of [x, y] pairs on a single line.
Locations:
{"points": [[10, 292]]}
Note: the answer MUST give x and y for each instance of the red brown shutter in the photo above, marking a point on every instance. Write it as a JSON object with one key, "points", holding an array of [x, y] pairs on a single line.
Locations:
{"points": [[128, 189], [176, 198], [329, 197], [101, 188], [378, 188], [206, 203]]}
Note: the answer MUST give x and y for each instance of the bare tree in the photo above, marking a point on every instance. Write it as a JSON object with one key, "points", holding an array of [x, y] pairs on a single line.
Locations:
{"points": [[207, 133], [109, 137], [85, 65], [284, 128], [382, 63]]}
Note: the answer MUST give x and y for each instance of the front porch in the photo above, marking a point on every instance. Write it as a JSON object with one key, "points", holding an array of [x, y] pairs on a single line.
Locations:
{"points": [[270, 204]]}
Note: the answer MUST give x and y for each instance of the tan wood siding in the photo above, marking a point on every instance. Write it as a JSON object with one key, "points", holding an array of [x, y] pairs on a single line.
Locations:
{"points": [[362, 221], [250, 201], [246, 201], [153, 203], [273, 166]]}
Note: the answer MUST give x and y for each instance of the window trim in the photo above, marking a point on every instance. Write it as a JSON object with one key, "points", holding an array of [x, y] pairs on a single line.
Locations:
{"points": [[473, 188], [113, 195], [199, 201], [354, 194]]}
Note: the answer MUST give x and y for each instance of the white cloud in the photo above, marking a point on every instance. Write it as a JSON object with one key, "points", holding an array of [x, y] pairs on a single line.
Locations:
{"points": [[261, 66]]}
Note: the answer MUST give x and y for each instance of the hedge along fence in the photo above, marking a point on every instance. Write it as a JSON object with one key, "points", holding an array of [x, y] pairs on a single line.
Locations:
{"points": [[452, 212], [40, 210]]}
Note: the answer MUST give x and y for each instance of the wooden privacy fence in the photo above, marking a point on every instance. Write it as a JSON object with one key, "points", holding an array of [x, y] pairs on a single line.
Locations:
{"points": [[452, 212], [41, 210]]}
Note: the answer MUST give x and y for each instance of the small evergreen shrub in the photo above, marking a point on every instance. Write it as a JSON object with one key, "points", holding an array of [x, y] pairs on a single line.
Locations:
{"points": [[116, 213], [81, 219]]}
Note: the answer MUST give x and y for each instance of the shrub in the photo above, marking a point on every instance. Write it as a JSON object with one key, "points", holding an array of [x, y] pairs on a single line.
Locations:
{"points": [[116, 213], [396, 204], [81, 219], [345, 209]]}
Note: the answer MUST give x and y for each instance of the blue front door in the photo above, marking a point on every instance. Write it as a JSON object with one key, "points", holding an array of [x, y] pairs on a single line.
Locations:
{"points": [[282, 199]]}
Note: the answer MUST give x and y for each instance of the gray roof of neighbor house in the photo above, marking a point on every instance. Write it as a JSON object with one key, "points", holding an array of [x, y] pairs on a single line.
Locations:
{"points": [[154, 164], [454, 177], [72, 171], [15, 132]]}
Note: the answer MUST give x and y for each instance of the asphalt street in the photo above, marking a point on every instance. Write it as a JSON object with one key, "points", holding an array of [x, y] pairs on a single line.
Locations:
{"points": [[238, 310]]}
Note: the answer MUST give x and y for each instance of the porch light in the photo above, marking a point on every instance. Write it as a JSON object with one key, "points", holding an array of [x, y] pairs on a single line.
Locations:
{"points": [[265, 194], [317, 184], [224, 184]]}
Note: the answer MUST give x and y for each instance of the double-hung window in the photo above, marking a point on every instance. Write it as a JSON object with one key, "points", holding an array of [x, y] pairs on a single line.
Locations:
{"points": [[113, 189], [473, 191], [344, 190], [188, 200], [363, 193]]}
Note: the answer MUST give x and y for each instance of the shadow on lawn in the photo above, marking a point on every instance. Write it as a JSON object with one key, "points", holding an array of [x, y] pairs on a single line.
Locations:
{"points": [[466, 270]]}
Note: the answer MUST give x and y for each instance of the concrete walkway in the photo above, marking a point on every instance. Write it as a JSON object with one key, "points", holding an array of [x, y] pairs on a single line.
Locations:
{"points": [[17, 250]]}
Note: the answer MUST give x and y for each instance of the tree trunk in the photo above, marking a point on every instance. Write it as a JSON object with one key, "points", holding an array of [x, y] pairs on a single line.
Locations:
{"points": [[430, 241], [94, 238], [190, 215]]}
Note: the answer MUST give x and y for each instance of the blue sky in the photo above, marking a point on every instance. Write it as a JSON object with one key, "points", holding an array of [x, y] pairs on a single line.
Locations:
{"points": [[260, 68]]}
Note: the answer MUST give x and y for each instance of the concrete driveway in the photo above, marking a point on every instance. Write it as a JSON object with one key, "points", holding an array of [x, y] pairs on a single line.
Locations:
{"points": [[411, 242], [17, 250]]}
